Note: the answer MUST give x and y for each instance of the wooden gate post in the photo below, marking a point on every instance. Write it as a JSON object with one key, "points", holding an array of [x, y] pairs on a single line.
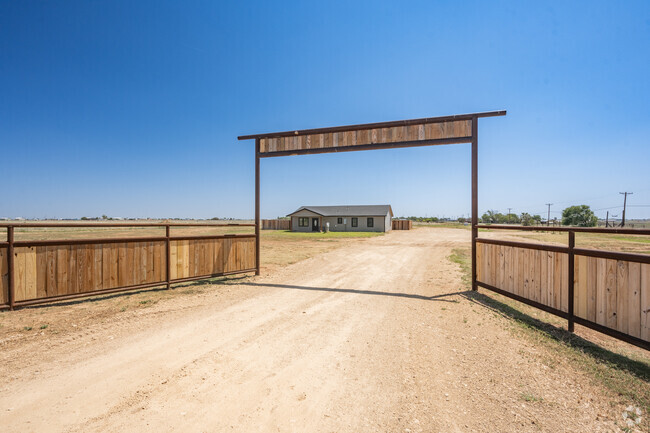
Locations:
{"points": [[10, 268], [572, 244], [474, 197], [168, 252], [257, 206]]}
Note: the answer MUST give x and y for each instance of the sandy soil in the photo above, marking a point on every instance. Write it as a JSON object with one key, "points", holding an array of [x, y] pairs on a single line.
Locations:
{"points": [[377, 336]]}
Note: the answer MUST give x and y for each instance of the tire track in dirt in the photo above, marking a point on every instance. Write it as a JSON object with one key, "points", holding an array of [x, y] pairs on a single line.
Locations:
{"points": [[372, 337]]}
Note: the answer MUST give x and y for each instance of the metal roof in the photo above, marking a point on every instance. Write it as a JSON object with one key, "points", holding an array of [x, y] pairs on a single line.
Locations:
{"points": [[354, 210]]}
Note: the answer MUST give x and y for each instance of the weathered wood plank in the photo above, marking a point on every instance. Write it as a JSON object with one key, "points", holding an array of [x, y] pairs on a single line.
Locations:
{"points": [[601, 292], [592, 289], [41, 272], [411, 133], [4, 277], [564, 288], [98, 276], [645, 301], [580, 286], [610, 287], [173, 265], [30, 273], [19, 274], [62, 269], [622, 287], [634, 300]]}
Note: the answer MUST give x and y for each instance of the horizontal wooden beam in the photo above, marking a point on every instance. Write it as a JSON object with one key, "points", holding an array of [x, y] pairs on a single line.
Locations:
{"points": [[365, 126], [378, 146]]}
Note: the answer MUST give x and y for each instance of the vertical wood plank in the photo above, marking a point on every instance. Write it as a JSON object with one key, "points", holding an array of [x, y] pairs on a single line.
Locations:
{"points": [[610, 287], [20, 293], [106, 266], [186, 259], [479, 264], [634, 299], [98, 276], [543, 277], [62, 269], [122, 265], [173, 266], [564, 299], [193, 262], [580, 286], [41, 272], [30, 273], [592, 289], [601, 292], [51, 271], [557, 281], [4, 277], [622, 287], [645, 301]]}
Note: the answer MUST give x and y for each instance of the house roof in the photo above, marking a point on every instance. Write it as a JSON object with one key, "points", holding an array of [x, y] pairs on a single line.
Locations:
{"points": [[355, 210]]}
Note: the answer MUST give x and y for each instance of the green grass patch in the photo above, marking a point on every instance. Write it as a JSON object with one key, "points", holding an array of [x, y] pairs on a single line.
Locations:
{"points": [[626, 375]]}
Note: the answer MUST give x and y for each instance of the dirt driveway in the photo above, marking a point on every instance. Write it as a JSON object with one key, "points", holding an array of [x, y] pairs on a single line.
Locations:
{"points": [[378, 336]]}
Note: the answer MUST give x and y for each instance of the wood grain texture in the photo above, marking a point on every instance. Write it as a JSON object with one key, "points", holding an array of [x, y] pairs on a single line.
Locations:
{"points": [[4, 277], [396, 134], [612, 293]]}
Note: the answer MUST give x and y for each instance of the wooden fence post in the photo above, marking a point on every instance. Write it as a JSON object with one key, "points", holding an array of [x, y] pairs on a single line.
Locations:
{"points": [[257, 206], [10, 268], [168, 252], [572, 244], [474, 197]]}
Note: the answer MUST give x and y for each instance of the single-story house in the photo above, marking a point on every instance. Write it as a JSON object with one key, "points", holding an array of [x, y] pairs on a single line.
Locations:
{"points": [[361, 218]]}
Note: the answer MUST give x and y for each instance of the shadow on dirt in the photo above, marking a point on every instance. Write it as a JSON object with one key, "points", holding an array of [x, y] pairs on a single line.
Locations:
{"points": [[361, 292], [562, 336]]}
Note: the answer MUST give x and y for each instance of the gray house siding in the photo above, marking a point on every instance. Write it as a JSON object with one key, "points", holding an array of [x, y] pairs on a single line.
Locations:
{"points": [[346, 226], [332, 214], [303, 213]]}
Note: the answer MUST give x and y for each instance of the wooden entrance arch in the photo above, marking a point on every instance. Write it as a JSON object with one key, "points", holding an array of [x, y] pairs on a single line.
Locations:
{"points": [[430, 131]]}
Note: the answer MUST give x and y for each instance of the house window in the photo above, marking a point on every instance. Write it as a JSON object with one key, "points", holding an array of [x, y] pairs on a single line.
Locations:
{"points": [[303, 222], [371, 222], [339, 221], [355, 222]]}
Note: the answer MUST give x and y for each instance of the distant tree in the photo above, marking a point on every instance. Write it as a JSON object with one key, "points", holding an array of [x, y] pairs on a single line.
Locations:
{"points": [[462, 220], [84, 218], [580, 216]]}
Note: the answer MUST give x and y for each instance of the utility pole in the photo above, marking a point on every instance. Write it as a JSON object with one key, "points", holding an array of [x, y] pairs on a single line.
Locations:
{"points": [[624, 204], [548, 218], [509, 214], [607, 220]]}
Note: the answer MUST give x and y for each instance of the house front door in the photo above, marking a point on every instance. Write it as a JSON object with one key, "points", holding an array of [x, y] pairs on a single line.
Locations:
{"points": [[315, 227]]}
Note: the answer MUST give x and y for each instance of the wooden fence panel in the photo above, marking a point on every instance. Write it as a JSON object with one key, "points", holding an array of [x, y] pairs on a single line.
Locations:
{"points": [[402, 225], [613, 293], [277, 224], [47, 271], [609, 292], [532, 274], [204, 257]]}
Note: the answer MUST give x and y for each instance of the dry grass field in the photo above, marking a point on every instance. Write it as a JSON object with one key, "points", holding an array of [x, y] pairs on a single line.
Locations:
{"points": [[341, 332]]}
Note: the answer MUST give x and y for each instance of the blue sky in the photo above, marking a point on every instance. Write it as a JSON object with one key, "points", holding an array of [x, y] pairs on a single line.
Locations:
{"points": [[133, 108]]}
